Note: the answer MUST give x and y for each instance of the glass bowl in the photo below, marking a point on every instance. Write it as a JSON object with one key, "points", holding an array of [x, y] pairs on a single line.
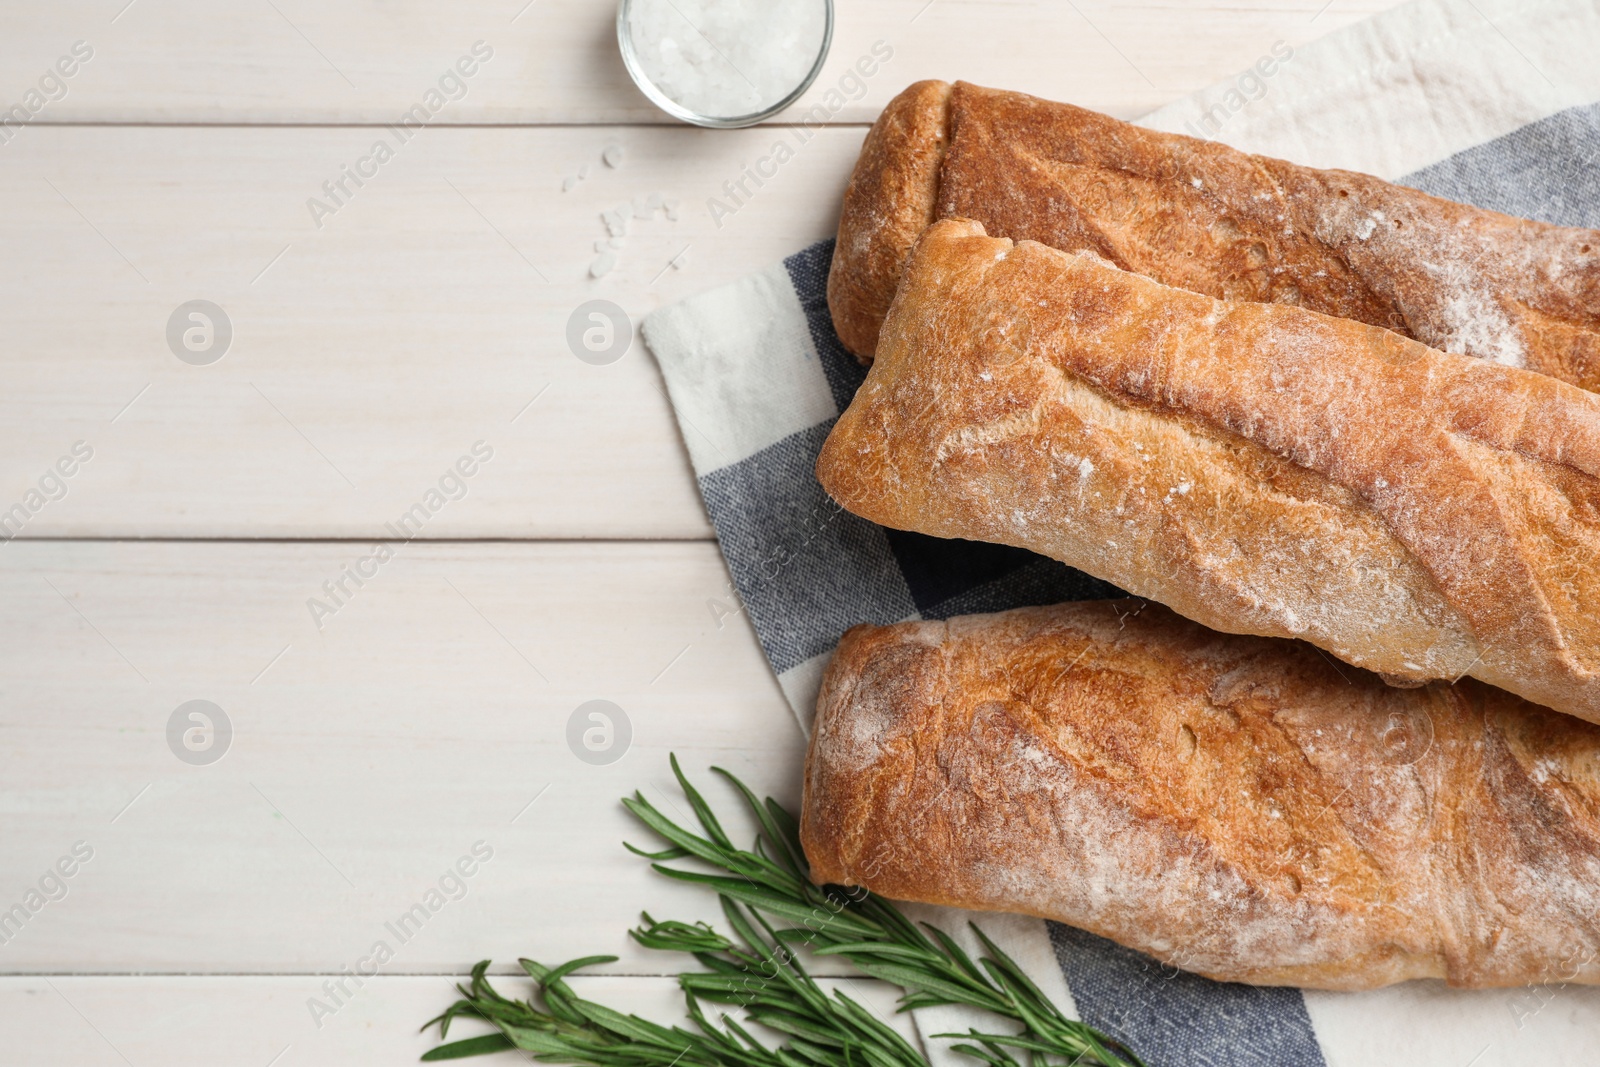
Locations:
{"points": [[762, 101]]}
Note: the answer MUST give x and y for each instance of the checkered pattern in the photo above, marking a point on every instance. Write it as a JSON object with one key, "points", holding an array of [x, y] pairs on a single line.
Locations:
{"points": [[758, 378]]}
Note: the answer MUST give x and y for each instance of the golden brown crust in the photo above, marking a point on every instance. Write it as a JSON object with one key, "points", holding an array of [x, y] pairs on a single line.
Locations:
{"points": [[1256, 467], [1239, 807], [1204, 217], [886, 206]]}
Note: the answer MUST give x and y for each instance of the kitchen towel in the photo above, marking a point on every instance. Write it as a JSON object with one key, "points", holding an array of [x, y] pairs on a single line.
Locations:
{"points": [[1490, 103]]}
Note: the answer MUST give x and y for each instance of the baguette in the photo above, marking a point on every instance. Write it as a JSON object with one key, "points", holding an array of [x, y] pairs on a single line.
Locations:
{"points": [[1236, 807], [1201, 216], [1259, 468]]}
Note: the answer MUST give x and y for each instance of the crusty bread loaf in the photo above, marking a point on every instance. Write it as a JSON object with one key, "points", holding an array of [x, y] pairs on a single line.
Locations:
{"points": [[1259, 468], [1238, 807], [1208, 218]]}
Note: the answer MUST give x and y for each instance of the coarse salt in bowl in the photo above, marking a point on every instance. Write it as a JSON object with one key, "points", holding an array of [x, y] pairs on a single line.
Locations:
{"points": [[724, 63]]}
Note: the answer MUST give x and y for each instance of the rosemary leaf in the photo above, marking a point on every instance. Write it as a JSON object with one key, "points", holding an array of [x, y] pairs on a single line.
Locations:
{"points": [[472, 1046]]}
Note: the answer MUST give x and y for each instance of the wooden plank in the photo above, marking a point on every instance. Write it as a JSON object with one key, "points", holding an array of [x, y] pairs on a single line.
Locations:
{"points": [[89, 1021], [429, 713], [1428, 1022], [298, 61], [178, 1021], [369, 354]]}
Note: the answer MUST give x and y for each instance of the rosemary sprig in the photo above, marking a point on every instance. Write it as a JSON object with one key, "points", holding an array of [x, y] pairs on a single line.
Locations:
{"points": [[863, 928], [822, 1031], [764, 893]]}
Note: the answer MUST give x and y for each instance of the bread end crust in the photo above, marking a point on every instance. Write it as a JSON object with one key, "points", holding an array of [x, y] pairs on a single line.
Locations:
{"points": [[889, 200]]}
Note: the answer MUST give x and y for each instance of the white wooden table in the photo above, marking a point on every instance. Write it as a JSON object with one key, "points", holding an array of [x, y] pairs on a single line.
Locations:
{"points": [[369, 352]]}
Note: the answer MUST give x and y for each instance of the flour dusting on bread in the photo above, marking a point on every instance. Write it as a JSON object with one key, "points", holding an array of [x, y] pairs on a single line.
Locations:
{"points": [[1201, 216], [1238, 807], [1416, 513]]}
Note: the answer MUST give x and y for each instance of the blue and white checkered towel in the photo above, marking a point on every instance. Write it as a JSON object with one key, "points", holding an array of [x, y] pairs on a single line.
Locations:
{"points": [[1490, 103]]}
